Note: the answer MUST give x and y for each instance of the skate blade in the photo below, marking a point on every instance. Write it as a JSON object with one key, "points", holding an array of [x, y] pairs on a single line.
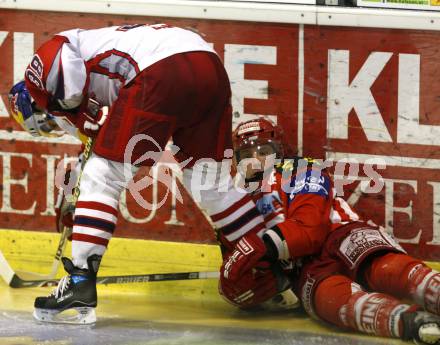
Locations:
{"points": [[74, 316], [429, 333]]}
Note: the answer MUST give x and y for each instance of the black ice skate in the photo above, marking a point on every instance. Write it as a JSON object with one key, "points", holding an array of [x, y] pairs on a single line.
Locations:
{"points": [[421, 327], [76, 291]]}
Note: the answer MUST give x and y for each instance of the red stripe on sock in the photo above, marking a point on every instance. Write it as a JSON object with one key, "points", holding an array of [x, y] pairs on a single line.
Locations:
{"points": [[93, 205], [90, 239]]}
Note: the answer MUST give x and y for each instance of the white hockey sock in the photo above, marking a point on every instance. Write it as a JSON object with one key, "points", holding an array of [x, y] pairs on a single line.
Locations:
{"points": [[96, 211]]}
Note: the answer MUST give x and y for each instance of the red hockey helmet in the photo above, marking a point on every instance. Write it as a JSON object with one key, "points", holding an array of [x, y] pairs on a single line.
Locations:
{"points": [[256, 133]]}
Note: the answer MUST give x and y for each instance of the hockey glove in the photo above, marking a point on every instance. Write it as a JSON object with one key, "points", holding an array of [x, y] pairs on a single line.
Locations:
{"points": [[244, 256], [266, 286], [250, 289], [66, 181], [91, 117], [64, 212]]}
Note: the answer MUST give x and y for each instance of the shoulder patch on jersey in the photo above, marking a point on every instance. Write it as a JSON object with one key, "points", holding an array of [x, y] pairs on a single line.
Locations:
{"points": [[37, 65], [311, 181], [34, 78]]}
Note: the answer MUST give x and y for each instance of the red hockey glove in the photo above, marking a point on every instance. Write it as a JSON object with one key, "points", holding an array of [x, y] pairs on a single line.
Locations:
{"points": [[253, 288], [245, 256], [266, 286], [91, 117]]}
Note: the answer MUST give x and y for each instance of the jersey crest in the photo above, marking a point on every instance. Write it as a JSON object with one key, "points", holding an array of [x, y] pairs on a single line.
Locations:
{"points": [[310, 182], [305, 176]]}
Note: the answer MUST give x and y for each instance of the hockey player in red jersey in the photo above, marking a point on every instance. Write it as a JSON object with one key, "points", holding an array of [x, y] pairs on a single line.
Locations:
{"points": [[152, 82], [349, 273]]}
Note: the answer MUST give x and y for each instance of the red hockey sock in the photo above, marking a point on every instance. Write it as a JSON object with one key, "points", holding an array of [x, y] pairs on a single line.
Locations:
{"points": [[330, 295], [406, 277]]}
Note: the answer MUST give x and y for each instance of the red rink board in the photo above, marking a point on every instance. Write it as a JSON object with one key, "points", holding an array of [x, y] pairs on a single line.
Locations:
{"points": [[383, 118], [409, 202]]}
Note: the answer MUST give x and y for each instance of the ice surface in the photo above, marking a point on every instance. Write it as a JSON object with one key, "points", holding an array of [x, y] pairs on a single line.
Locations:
{"points": [[19, 328]]}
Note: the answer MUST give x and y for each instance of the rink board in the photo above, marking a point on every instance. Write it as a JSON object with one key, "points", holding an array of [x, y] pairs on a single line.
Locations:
{"points": [[296, 69], [34, 252], [171, 313]]}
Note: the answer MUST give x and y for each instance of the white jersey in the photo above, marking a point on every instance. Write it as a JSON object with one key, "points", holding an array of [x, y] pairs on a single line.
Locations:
{"points": [[99, 62]]}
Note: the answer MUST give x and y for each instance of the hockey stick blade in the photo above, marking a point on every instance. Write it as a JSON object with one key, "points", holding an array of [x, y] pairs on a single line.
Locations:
{"points": [[16, 282], [55, 265], [13, 278], [6, 271]]}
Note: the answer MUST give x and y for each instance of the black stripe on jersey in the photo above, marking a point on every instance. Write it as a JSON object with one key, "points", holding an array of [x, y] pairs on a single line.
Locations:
{"points": [[240, 222]]}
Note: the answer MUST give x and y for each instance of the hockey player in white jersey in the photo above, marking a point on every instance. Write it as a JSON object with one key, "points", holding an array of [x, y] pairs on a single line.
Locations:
{"points": [[157, 82]]}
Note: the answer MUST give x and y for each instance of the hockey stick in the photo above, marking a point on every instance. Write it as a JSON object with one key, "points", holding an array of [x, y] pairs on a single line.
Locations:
{"points": [[14, 281], [5, 268], [35, 280], [55, 265]]}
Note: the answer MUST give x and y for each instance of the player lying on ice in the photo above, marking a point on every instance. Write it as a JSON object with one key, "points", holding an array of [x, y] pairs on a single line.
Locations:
{"points": [[344, 271], [157, 81]]}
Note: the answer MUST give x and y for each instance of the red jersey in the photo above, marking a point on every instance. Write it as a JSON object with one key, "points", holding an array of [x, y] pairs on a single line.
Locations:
{"points": [[301, 202]]}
